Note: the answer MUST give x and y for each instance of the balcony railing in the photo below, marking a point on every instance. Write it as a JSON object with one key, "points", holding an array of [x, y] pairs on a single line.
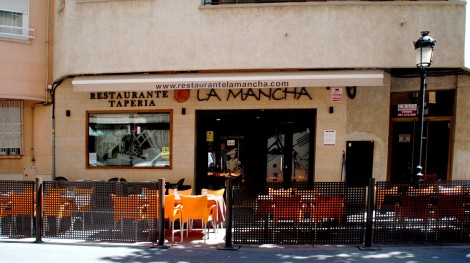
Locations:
{"points": [[15, 32]]}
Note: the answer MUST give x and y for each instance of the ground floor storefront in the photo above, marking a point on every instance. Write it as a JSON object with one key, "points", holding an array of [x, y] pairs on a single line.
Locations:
{"points": [[259, 128]]}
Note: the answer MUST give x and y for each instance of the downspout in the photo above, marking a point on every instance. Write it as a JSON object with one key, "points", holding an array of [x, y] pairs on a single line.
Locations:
{"points": [[47, 52], [54, 87], [46, 90]]}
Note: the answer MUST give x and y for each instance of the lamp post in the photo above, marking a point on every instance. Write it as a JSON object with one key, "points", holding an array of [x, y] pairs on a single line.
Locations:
{"points": [[424, 48]]}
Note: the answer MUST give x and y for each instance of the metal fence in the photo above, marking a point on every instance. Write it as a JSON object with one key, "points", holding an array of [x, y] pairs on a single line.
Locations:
{"points": [[434, 212], [17, 209], [106, 211], [99, 211], [322, 213], [318, 213]]}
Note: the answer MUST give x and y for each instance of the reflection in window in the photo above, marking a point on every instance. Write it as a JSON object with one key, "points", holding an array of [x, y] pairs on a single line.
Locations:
{"points": [[129, 139]]}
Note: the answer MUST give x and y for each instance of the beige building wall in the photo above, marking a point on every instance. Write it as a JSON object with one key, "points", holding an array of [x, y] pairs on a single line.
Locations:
{"points": [[71, 156], [25, 72], [461, 152], [368, 120], [110, 37], [94, 37]]}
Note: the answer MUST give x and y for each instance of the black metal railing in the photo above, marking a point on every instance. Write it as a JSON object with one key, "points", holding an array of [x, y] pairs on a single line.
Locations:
{"points": [[17, 209], [106, 211], [435, 212], [318, 213], [324, 213]]}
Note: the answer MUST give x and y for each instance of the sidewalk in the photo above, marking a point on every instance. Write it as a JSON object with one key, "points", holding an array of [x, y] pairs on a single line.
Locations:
{"points": [[193, 249]]}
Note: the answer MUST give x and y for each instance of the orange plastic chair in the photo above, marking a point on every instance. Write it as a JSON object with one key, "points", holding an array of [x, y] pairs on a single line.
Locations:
{"points": [[450, 206], [4, 206], [196, 207], [329, 207], [180, 192], [173, 213], [219, 192], [287, 207], [264, 208], [56, 206], [56, 191], [126, 207], [149, 210], [149, 192], [19, 205]]}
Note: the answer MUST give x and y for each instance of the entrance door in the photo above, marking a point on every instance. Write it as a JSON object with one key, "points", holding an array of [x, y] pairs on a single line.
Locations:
{"points": [[287, 155], [435, 155], [359, 162], [269, 145]]}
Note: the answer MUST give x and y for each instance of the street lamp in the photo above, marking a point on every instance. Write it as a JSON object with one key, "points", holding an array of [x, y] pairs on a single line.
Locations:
{"points": [[424, 48]]}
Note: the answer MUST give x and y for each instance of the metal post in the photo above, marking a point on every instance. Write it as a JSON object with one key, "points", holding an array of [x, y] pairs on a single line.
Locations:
{"points": [[370, 210], [38, 222], [369, 216], [422, 93], [228, 219], [161, 214]]}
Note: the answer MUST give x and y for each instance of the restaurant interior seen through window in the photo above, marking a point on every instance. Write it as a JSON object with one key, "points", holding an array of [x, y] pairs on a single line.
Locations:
{"points": [[129, 139]]}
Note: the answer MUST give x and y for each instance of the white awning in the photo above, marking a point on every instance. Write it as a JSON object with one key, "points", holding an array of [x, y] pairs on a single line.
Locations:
{"points": [[228, 80]]}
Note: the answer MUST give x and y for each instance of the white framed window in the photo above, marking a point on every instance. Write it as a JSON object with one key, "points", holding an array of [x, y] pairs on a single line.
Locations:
{"points": [[14, 19], [11, 127]]}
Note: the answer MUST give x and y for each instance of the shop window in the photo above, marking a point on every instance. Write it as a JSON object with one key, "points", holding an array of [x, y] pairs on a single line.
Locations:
{"points": [[129, 139], [14, 19], [11, 128]]}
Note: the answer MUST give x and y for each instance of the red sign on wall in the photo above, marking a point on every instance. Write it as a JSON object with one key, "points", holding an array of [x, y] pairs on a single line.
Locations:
{"points": [[407, 110]]}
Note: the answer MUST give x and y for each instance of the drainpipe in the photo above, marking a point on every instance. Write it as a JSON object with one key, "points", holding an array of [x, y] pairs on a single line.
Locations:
{"points": [[47, 52], [54, 87]]}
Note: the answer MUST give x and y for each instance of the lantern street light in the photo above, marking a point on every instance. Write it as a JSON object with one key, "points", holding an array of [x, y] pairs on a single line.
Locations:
{"points": [[424, 48]]}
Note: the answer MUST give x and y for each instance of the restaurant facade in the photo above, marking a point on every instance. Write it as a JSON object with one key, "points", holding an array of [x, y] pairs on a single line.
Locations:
{"points": [[263, 92]]}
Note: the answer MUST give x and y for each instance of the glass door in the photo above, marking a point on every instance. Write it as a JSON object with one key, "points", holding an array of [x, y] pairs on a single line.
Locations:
{"points": [[288, 155], [276, 164], [435, 155]]}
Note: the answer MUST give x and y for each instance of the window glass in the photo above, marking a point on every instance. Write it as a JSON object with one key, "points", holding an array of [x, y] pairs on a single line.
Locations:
{"points": [[14, 19], [437, 103], [11, 128], [129, 139]]}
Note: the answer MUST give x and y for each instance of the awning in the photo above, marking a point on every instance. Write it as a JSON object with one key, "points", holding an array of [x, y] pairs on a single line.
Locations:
{"points": [[143, 82]]}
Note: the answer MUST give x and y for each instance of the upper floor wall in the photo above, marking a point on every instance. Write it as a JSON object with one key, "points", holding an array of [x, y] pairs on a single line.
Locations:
{"points": [[24, 59], [96, 36]]}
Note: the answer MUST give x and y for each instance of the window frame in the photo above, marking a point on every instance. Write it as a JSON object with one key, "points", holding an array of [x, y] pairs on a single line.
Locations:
{"points": [[26, 33], [19, 104], [108, 112]]}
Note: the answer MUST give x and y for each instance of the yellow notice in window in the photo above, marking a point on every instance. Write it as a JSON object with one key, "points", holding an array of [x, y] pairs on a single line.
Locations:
{"points": [[166, 152], [210, 136]]}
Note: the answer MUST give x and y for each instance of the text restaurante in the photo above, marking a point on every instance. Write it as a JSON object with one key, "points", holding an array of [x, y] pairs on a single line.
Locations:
{"points": [[129, 98]]}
